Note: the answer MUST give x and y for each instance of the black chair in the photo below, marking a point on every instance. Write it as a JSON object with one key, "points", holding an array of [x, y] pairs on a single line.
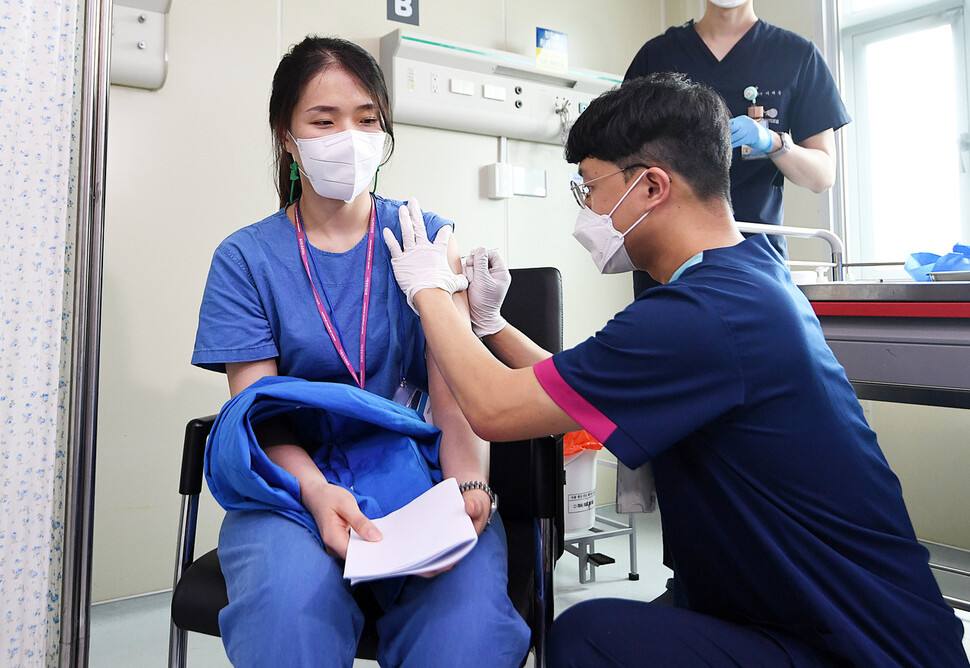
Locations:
{"points": [[527, 476]]}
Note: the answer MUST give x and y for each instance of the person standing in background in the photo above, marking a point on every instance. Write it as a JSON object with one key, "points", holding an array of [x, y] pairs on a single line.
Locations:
{"points": [[782, 97]]}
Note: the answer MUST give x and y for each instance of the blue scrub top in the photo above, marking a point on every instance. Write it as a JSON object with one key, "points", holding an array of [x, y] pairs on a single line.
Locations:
{"points": [[796, 89], [258, 305], [779, 508]]}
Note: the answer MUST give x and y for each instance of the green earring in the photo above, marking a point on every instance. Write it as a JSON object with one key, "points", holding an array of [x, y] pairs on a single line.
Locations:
{"points": [[294, 177]]}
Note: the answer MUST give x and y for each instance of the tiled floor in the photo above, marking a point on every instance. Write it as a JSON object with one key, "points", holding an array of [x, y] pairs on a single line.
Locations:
{"points": [[134, 632]]}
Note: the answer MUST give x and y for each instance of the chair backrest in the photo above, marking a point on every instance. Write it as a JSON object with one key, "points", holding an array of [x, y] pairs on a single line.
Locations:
{"points": [[528, 475], [534, 305]]}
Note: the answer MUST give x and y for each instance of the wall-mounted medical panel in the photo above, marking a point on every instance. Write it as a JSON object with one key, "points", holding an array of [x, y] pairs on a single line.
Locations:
{"points": [[453, 86]]}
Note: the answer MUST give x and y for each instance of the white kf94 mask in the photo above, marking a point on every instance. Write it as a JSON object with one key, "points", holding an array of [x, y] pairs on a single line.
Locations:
{"points": [[341, 165], [603, 241]]}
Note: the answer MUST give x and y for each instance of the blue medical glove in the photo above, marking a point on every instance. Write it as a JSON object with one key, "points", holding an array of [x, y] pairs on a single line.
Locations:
{"points": [[749, 132]]}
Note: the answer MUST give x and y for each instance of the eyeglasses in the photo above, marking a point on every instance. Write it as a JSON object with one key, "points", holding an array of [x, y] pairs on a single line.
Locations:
{"points": [[580, 188]]}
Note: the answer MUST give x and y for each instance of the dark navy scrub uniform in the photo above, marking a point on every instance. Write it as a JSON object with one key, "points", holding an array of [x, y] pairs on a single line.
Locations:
{"points": [[792, 542]]}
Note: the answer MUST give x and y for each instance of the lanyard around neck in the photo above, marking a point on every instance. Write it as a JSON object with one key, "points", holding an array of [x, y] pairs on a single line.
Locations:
{"points": [[327, 324]]}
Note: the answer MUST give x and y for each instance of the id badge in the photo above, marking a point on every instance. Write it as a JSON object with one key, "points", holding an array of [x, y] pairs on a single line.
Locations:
{"points": [[410, 395], [749, 153], [756, 112], [407, 394]]}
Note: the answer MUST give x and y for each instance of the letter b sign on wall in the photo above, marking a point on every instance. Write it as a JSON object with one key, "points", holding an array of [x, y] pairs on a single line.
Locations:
{"points": [[404, 11]]}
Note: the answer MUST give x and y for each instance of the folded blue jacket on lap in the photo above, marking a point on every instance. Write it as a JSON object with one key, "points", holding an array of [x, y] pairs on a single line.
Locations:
{"points": [[381, 451]]}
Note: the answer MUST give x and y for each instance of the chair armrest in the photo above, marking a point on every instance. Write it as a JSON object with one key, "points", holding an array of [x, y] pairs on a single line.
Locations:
{"points": [[528, 477], [529, 480], [548, 477], [193, 454]]}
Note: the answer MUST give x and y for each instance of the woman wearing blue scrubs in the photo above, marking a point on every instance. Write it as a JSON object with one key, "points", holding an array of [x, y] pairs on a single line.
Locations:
{"points": [[308, 293]]}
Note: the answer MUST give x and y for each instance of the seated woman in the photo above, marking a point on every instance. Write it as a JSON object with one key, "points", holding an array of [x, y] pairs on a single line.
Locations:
{"points": [[300, 294]]}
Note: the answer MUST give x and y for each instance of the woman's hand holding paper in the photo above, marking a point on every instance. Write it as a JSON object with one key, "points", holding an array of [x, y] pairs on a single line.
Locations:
{"points": [[335, 511]]}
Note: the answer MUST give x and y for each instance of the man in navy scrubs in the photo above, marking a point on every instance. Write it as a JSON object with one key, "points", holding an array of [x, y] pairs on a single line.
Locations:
{"points": [[791, 538], [752, 63]]}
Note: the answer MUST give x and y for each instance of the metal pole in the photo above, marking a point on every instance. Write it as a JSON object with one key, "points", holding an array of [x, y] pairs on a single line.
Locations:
{"points": [[545, 563], [177, 638], [86, 340]]}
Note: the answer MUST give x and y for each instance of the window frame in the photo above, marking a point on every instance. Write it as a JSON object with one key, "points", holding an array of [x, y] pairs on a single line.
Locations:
{"points": [[865, 27]]}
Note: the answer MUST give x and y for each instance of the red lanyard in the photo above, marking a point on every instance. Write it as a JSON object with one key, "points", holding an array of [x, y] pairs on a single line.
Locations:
{"points": [[328, 325]]}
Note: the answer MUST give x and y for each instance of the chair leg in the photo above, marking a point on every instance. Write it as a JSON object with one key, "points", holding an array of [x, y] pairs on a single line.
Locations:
{"points": [[177, 640], [633, 574]]}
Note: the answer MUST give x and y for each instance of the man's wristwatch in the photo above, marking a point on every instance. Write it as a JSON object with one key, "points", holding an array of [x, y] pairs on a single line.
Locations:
{"points": [[478, 484], [786, 145]]}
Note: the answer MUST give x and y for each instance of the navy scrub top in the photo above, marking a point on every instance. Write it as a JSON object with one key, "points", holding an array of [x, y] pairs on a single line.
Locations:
{"points": [[779, 508], [796, 89]]}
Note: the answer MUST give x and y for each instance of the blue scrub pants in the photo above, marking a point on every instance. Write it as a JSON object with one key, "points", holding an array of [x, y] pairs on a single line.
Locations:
{"points": [[613, 633], [289, 605]]}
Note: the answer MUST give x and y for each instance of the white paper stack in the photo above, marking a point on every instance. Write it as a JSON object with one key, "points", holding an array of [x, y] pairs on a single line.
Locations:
{"points": [[428, 534]]}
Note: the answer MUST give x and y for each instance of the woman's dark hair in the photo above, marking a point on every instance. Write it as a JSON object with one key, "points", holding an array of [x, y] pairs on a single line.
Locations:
{"points": [[303, 62], [662, 120]]}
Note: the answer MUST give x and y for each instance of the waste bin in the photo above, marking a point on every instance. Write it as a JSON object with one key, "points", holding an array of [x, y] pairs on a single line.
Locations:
{"points": [[579, 450]]}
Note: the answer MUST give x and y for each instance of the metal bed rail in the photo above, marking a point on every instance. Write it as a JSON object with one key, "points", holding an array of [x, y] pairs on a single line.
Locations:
{"points": [[834, 242]]}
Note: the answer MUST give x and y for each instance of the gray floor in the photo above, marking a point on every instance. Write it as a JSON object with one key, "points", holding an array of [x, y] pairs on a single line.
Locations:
{"points": [[134, 632]]}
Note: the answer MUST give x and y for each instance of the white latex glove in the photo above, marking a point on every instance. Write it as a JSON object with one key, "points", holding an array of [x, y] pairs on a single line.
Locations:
{"points": [[488, 283], [421, 264]]}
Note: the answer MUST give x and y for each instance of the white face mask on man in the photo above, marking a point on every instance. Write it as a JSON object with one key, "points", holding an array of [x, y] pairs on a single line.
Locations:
{"points": [[603, 241], [341, 165], [728, 4]]}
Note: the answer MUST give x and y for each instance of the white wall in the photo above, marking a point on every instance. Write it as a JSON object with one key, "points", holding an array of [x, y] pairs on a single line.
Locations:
{"points": [[186, 165], [190, 163]]}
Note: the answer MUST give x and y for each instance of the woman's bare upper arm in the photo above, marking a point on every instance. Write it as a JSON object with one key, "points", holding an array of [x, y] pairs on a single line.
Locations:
{"points": [[243, 374], [454, 260]]}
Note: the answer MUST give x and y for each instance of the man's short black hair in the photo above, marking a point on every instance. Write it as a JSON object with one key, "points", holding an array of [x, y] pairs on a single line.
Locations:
{"points": [[663, 120]]}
